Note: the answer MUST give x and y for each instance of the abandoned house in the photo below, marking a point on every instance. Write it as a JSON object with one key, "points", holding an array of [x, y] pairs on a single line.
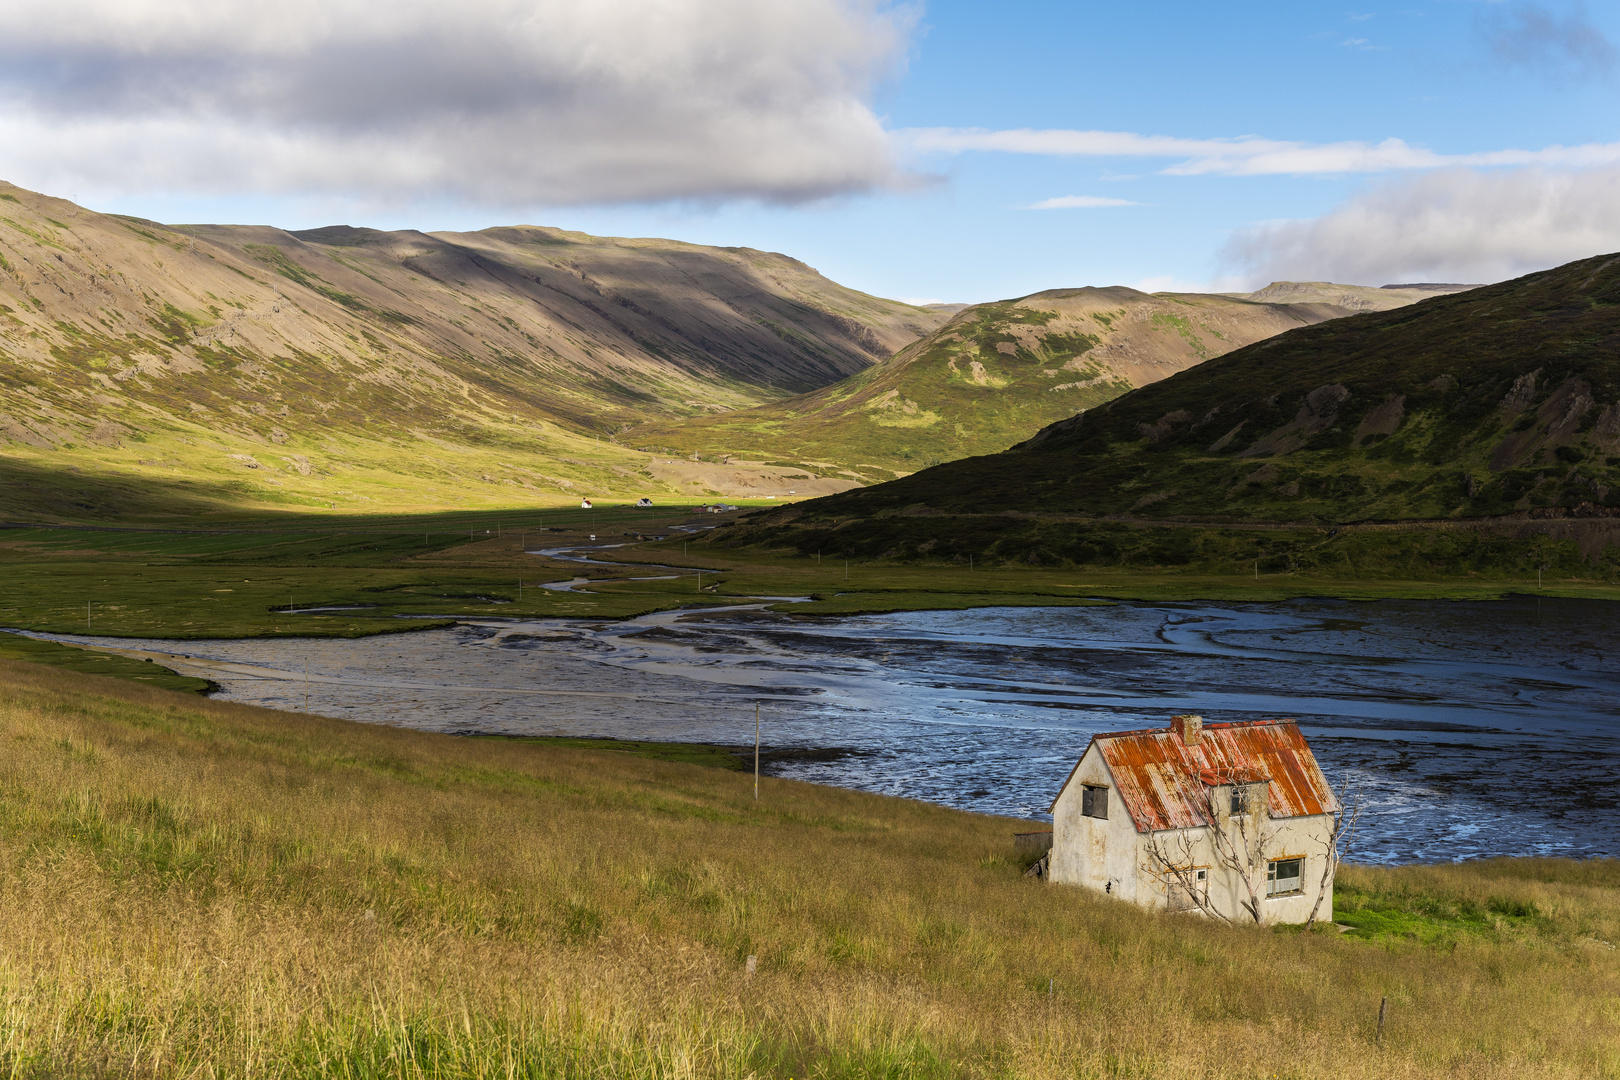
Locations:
{"points": [[1233, 820]]}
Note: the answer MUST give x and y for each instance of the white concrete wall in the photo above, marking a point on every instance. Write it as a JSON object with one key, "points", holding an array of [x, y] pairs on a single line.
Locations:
{"points": [[1098, 854], [1111, 856], [1304, 837]]}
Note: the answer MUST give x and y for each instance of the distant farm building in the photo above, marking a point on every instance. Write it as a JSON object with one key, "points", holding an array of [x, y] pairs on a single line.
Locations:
{"points": [[1234, 820], [584, 504], [644, 503]]}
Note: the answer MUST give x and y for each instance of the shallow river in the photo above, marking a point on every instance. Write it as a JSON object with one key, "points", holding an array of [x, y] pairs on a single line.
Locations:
{"points": [[1471, 728]]}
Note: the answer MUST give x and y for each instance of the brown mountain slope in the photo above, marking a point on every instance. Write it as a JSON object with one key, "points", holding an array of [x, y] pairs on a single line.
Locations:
{"points": [[260, 363], [997, 373]]}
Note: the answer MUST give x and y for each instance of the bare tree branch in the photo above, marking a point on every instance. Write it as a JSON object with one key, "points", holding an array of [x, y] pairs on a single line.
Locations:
{"points": [[1175, 869], [1239, 843], [1340, 839]]}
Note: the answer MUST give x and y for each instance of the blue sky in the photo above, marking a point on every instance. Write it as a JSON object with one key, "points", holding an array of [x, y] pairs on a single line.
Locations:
{"points": [[913, 142]]}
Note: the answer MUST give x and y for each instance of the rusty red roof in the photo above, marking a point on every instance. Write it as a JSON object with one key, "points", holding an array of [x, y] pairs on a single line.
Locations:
{"points": [[1163, 780]]}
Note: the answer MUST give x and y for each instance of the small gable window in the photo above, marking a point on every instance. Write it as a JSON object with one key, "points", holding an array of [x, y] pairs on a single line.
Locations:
{"points": [[1283, 877], [1240, 799], [1094, 801]]}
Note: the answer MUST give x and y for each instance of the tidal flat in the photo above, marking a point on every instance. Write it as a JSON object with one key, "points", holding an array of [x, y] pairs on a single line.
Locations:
{"points": [[1470, 729]]}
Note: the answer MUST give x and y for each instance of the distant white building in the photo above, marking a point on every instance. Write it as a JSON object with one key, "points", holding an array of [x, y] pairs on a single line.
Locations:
{"points": [[1234, 820], [644, 503], [584, 504]]}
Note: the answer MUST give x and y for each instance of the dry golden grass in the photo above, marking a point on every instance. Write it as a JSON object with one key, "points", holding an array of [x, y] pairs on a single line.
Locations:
{"points": [[192, 888]]}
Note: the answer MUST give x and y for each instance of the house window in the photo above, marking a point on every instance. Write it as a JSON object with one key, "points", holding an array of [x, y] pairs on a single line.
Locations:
{"points": [[1188, 888], [1283, 877], [1094, 801], [1240, 799]]}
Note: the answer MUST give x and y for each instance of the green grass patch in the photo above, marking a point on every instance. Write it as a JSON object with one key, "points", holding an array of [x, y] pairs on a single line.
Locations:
{"points": [[1493, 900], [89, 662]]}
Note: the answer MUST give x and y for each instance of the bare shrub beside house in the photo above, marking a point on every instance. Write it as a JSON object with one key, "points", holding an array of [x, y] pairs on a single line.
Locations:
{"points": [[1234, 820]]}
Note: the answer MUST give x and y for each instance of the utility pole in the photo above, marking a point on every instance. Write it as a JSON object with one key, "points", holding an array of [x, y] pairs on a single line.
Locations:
{"points": [[756, 751], [306, 684], [87, 614]]}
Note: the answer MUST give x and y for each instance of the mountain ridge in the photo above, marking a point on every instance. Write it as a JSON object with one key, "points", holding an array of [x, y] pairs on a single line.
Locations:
{"points": [[997, 372], [345, 365], [1500, 404]]}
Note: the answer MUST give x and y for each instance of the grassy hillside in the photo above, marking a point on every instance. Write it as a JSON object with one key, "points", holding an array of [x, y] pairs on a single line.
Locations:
{"points": [[352, 369], [193, 888], [997, 373], [1500, 401]]}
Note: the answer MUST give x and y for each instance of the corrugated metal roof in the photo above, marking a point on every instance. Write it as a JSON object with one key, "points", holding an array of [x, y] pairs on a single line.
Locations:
{"points": [[1164, 782]]}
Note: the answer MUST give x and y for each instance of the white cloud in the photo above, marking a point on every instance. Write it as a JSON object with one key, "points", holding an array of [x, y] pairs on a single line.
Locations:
{"points": [[1453, 225], [1247, 155], [502, 102], [1079, 202]]}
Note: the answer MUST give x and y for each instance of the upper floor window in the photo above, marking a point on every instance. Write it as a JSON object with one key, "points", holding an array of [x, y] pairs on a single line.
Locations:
{"points": [[1243, 798], [1094, 801]]}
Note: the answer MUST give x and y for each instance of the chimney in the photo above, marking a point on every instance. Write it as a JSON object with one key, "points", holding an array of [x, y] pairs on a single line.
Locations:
{"points": [[1190, 728]]}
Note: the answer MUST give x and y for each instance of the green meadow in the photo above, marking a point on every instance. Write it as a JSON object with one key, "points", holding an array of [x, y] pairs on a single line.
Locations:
{"points": [[359, 576]]}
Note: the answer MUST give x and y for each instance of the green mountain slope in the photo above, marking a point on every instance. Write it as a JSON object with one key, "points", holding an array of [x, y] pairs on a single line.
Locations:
{"points": [[352, 366], [997, 373], [1501, 400]]}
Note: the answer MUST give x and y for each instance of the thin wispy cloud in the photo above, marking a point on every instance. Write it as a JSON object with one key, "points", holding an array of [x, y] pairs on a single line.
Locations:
{"points": [[1080, 202], [1247, 155], [489, 102]]}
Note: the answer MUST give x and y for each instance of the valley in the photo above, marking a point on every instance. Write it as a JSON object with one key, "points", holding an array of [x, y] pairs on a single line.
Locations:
{"points": [[809, 540], [998, 372], [171, 372]]}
